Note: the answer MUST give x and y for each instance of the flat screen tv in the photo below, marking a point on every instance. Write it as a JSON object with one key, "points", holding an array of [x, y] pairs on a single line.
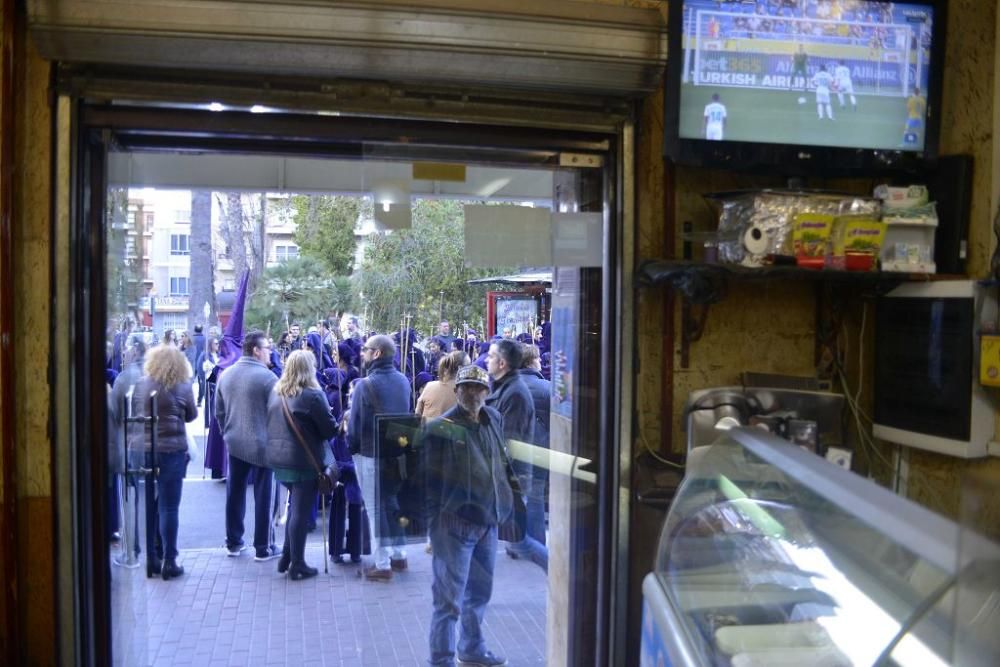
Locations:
{"points": [[804, 85]]}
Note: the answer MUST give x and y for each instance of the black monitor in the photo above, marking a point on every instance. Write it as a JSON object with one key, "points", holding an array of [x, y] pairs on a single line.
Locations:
{"points": [[804, 86]]}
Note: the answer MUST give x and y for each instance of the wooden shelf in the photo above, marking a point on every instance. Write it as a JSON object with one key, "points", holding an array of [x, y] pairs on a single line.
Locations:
{"points": [[695, 280]]}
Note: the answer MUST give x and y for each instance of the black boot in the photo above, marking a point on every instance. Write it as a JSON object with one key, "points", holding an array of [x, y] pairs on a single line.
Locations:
{"points": [[171, 570], [302, 571], [284, 562]]}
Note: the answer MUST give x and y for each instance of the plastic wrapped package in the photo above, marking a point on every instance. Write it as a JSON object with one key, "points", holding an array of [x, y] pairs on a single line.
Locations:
{"points": [[758, 223]]}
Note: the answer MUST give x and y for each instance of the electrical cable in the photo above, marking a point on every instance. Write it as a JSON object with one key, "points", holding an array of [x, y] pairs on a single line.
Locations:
{"points": [[656, 456], [866, 441]]}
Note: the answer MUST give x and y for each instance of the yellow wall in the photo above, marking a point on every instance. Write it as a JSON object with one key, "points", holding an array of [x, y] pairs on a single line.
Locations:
{"points": [[967, 126], [32, 326], [770, 326]]}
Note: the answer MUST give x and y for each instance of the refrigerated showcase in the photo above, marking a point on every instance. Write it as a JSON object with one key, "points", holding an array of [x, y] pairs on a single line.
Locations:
{"points": [[772, 556]]}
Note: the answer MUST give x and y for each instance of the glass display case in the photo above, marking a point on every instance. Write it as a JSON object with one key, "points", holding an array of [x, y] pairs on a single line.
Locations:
{"points": [[772, 556]]}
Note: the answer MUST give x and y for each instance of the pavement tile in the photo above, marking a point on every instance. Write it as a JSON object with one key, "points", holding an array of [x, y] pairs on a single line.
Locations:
{"points": [[237, 612]]}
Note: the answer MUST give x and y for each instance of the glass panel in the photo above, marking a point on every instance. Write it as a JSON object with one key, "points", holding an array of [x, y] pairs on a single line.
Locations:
{"points": [[127, 243], [764, 567], [465, 258]]}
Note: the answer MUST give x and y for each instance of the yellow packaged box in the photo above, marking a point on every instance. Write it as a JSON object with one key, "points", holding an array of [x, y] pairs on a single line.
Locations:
{"points": [[857, 235], [856, 243], [811, 234], [989, 360]]}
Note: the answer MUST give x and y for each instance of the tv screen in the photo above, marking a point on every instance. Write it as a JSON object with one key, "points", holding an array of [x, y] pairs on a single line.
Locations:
{"points": [[844, 74]]}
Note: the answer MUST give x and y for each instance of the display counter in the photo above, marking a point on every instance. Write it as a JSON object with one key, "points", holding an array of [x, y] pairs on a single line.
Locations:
{"points": [[772, 556]]}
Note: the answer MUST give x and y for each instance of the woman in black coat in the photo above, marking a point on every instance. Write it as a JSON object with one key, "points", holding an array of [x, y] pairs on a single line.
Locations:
{"points": [[298, 392], [167, 374]]}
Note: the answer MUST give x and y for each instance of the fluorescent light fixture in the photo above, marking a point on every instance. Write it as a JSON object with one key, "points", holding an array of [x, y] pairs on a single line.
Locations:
{"points": [[259, 108], [216, 106]]}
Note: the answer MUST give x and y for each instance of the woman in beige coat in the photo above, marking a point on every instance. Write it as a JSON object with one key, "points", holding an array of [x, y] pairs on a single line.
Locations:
{"points": [[438, 396]]}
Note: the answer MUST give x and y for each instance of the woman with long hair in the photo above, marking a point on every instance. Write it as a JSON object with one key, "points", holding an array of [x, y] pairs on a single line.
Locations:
{"points": [[190, 351], [438, 396], [167, 374], [209, 359], [299, 422]]}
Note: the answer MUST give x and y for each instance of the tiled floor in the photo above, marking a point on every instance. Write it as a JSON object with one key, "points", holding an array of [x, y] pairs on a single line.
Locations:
{"points": [[234, 611]]}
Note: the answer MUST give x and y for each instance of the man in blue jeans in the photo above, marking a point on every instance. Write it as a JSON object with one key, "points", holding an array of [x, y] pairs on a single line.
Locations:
{"points": [[469, 493]]}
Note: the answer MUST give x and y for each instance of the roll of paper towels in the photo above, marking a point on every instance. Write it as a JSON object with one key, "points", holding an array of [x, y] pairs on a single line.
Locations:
{"points": [[755, 241]]}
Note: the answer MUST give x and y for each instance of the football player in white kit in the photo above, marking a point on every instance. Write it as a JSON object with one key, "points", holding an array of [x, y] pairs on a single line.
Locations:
{"points": [[842, 75], [822, 80], [715, 119]]}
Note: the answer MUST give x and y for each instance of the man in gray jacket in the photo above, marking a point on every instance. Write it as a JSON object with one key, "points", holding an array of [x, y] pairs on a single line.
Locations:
{"points": [[241, 408]]}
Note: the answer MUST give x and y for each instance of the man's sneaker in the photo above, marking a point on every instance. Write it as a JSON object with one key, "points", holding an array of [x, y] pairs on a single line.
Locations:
{"points": [[487, 659], [235, 551], [267, 553]]}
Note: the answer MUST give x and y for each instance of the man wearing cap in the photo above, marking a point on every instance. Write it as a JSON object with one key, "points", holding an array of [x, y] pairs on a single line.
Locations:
{"points": [[469, 493]]}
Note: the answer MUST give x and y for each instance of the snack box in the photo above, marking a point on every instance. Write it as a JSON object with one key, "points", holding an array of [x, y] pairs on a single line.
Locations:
{"points": [[857, 235], [811, 234], [902, 197]]}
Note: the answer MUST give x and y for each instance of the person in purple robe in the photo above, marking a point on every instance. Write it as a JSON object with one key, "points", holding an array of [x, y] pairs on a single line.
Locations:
{"points": [[230, 351]]}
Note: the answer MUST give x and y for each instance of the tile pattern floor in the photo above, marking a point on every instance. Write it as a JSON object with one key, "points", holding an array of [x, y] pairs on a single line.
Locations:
{"points": [[235, 611]]}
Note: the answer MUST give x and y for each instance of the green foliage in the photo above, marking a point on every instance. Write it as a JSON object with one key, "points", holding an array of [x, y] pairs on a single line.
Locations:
{"points": [[304, 289], [124, 268], [325, 229], [413, 271]]}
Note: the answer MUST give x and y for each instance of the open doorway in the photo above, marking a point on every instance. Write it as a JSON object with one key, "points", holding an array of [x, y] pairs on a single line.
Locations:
{"points": [[505, 241]]}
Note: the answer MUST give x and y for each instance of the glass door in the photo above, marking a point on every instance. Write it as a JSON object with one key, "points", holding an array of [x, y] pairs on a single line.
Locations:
{"points": [[130, 487], [460, 256]]}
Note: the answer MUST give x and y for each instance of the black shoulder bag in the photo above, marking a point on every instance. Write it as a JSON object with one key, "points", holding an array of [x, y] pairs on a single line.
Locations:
{"points": [[514, 528], [326, 478]]}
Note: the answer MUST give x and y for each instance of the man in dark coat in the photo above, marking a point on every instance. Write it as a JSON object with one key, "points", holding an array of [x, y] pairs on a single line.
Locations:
{"points": [[469, 494], [199, 346], [241, 410], [541, 396], [133, 360], [512, 399], [384, 391]]}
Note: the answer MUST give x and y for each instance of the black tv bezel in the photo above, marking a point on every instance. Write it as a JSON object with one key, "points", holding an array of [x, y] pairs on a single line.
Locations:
{"points": [[792, 160]]}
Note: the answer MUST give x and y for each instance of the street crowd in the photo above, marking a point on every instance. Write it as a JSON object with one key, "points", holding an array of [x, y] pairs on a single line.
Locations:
{"points": [[343, 420]]}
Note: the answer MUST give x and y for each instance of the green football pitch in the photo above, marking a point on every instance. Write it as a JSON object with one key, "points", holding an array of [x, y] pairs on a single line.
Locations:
{"points": [[776, 116]]}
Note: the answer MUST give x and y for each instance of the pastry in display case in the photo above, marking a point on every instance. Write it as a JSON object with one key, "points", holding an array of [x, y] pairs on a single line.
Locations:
{"points": [[772, 556]]}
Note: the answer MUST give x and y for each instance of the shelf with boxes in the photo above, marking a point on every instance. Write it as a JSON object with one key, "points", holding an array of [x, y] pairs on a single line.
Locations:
{"points": [[873, 243]]}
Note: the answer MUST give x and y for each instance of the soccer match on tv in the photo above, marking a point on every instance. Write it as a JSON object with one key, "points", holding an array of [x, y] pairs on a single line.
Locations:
{"points": [[844, 73]]}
